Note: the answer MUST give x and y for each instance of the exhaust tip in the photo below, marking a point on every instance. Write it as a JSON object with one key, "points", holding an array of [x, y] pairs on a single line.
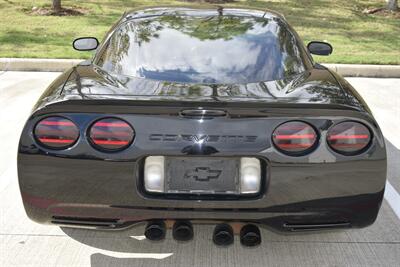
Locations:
{"points": [[250, 235], [155, 230], [182, 231], [223, 235]]}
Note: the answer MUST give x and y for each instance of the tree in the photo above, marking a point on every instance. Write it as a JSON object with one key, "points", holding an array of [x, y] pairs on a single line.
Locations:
{"points": [[392, 5], [56, 6]]}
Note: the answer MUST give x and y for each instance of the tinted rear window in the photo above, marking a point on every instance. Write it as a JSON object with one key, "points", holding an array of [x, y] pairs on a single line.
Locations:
{"points": [[214, 49]]}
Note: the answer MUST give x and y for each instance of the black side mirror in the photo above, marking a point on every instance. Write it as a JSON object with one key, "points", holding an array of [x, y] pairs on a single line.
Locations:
{"points": [[319, 48], [85, 43]]}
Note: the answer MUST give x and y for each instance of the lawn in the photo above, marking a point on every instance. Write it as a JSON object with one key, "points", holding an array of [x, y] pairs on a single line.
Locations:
{"points": [[356, 37]]}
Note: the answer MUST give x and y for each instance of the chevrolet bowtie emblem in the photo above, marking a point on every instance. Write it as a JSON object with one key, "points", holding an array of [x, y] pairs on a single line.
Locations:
{"points": [[203, 174]]}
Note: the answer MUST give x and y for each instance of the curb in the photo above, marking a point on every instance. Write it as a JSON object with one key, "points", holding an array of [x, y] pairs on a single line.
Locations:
{"points": [[360, 70], [348, 70], [36, 64]]}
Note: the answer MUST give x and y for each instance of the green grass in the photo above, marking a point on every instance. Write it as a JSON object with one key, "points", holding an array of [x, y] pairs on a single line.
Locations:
{"points": [[356, 38]]}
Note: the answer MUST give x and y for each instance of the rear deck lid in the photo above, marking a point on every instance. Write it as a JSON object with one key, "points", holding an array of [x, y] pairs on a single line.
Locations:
{"points": [[315, 86]]}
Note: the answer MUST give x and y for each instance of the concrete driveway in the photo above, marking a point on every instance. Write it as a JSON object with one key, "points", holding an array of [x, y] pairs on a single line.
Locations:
{"points": [[23, 242]]}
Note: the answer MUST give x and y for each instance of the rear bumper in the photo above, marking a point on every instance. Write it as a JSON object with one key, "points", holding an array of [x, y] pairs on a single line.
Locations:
{"points": [[346, 212], [92, 194]]}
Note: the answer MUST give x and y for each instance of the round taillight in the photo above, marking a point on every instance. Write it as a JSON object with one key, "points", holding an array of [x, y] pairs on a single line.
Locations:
{"points": [[111, 134], [349, 138], [294, 138], [56, 132]]}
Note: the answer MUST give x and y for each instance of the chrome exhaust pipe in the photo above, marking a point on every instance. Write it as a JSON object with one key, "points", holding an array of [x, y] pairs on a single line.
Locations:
{"points": [[250, 235], [155, 230], [182, 231], [223, 235]]}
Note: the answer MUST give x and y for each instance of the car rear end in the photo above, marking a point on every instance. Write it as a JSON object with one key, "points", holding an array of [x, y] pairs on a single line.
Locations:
{"points": [[291, 167]]}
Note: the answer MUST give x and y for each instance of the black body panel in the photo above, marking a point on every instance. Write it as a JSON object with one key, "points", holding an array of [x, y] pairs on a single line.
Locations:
{"points": [[83, 186]]}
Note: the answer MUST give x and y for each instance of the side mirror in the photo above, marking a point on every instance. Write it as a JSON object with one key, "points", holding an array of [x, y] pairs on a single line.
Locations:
{"points": [[85, 44], [319, 48]]}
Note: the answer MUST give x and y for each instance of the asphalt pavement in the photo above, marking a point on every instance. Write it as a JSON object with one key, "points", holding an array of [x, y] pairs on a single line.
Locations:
{"points": [[25, 243]]}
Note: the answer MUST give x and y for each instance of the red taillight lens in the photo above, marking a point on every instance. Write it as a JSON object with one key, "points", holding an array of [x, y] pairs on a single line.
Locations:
{"points": [[111, 134], [294, 137], [349, 138], [56, 132]]}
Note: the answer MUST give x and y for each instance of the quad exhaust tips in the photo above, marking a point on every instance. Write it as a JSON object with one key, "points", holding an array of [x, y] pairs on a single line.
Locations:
{"points": [[182, 231], [223, 235], [250, 235], [155, 230]]}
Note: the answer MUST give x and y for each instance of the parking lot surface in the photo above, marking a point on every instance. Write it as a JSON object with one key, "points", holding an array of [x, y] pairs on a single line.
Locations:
{"points": [[25, 243]]}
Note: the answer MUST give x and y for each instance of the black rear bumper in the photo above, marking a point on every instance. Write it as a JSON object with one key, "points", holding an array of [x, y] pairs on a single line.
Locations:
{"points": [[346, 212], [92, 194]]}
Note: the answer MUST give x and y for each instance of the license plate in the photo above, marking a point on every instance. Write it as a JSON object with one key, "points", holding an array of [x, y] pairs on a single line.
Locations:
{"points": [[202, 175]]}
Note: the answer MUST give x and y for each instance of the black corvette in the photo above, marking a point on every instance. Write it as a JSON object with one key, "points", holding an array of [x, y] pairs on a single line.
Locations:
{"points": [[207, 116]]}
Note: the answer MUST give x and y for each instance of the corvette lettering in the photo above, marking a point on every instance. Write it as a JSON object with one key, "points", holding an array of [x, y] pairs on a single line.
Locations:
{"points": [[203, 138]]}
